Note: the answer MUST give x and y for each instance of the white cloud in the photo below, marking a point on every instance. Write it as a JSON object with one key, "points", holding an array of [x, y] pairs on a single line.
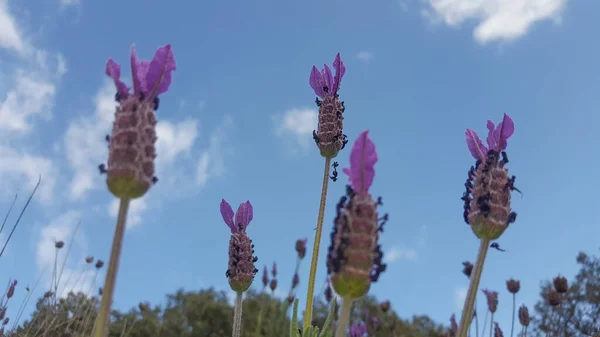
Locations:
{"points": [[10, 33], [297, 124], [397, 253], [460, 294], [365, 56], [86, 145], [212, 160], [496, 19], [69, 2], [134, 214], [174, 140], [21, 170]]}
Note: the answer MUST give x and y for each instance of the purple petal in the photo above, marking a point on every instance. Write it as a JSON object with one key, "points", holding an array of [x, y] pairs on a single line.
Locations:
{"points": [[315, 82], [505, 129], [327, 78], [227, 214], [491, 141], [340, 70], [113, 70], [159, 72], [362, 161], [137, 72], [476, 147], [244, 215]]}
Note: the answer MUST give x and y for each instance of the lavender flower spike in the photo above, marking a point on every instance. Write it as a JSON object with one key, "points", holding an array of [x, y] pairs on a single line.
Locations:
{"points": [[130, 171], [329, 136], [241, 268], [354, 260], [488, 187], [357, 330]]}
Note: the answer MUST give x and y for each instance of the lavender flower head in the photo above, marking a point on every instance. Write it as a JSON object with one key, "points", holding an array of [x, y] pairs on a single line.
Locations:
{"points": [[241, 270], [357, 330], [492, 300], [329, 136], [130, 171], [524, 318], [355, 258], [453, 325], [497, 330], [488, 187]]}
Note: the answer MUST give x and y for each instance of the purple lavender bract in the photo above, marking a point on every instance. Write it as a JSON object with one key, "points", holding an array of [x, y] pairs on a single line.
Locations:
{"points": [[241, 270], [329, 136], [130, 171]]}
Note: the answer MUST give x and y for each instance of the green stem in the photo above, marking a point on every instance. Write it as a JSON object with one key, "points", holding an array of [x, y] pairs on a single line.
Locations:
{"points": [[344, 320], [512, 328], [467, 312], [315, 254], [237, 315], [484, 323], [492, 325], [476, 320], [101, 327]]}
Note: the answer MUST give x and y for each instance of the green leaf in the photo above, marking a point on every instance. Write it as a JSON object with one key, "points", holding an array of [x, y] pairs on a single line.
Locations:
{"points": [[327, 331], [294, 323]]}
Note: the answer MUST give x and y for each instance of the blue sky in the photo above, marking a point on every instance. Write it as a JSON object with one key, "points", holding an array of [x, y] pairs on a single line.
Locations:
{"points": [[237, 124]]}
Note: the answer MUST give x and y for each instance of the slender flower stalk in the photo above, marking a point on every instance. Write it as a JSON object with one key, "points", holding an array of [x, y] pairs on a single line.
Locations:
{"points": [[513, 287], [344, 321], [330, 139], [492, 302], [237, 315], [130, 170], [486, 200]]}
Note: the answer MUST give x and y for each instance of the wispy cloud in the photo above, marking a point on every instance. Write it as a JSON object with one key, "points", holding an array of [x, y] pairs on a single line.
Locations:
{"points": [[497, 20], [212, 160], [460, 294], [295, 126], [134, 215], [10, 34], [398, 253], [365, 56]]}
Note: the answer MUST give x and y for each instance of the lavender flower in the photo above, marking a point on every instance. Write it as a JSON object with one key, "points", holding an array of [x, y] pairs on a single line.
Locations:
{"points": [[329, 135], [513, 286], [355, 258], [497, 331], [301, 247], [524, 318], [357, 330], [561, 285], [492, 300], [488, 187], [130, 171], [241, 268], [453, 325]]}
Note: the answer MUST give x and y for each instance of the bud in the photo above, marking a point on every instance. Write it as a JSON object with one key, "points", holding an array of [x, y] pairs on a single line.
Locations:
{"points": [[301, 248], [290, 299], [329, 136], [488, 187], [89, 259], [355, 258], [273, 284], [492, 300], [453, 325], [265, 277], [513, 286], [468, 268], [59, 244], [274, 270], [130, 171], [295, 280], [11, 289], [328, 292], [99, 264], [524, 315], [241, 270], [553, 298], [385, 306], [560, 284], [497, 331]]}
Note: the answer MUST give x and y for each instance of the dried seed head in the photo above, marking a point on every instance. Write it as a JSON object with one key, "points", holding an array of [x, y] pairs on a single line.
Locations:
{"points": [[291, 299], [59, 244], [497, 331], [488, 187], [524, 315], [513, 286], [132, 151], [265, 277], [273, 284], [11, 289], [553, 298], [5, 321], [492, 300], [99, 264], [301, 248], [560, 284], [241, 270], [385, 306], [467, 268], [328, 293], [143, 307], [89, 259], [329, 136]]}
